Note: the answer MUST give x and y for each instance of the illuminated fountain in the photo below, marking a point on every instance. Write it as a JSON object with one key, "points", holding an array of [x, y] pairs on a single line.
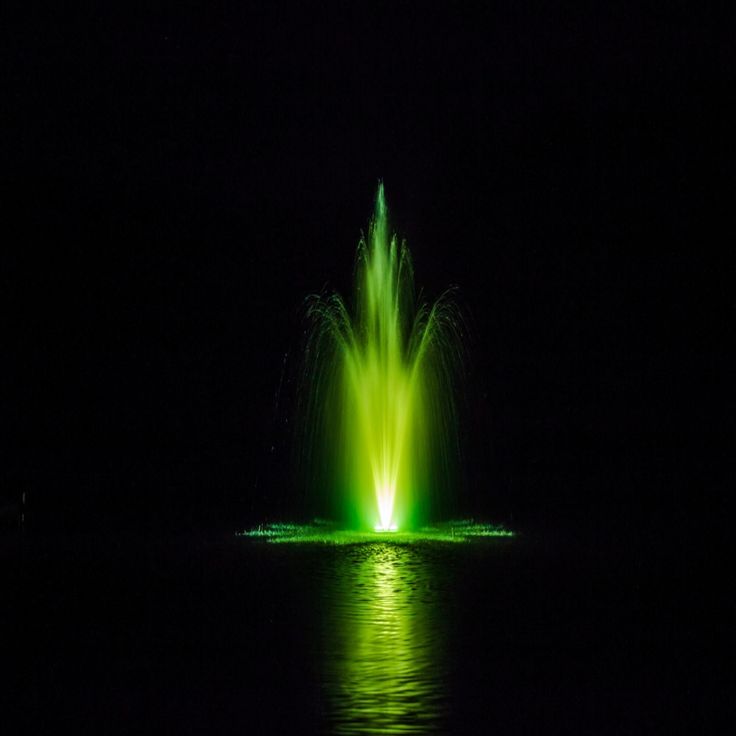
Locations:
{"points": [[380, 409], [380, 441], [377, 407]]}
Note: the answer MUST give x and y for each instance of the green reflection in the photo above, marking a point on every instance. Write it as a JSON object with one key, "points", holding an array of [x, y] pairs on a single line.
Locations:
{"points": [[384, 641]]}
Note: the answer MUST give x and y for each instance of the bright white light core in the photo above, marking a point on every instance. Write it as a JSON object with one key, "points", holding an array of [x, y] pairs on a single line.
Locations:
{"points": [[391, 528]]}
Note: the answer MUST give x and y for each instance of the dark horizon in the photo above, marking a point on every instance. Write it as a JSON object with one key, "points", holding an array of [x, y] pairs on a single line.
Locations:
{"points": [[177, 186]]}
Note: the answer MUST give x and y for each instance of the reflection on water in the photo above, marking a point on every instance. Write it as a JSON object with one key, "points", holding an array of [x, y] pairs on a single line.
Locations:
{"points": [[384, 640]]}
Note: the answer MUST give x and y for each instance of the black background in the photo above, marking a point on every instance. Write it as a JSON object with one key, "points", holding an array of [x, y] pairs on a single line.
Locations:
{"points": [[177, 181]]}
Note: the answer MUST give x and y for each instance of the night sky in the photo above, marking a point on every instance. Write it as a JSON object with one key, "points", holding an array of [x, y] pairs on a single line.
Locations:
{"points": [[175, 182]]}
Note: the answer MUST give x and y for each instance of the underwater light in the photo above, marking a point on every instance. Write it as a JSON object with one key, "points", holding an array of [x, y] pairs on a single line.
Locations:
{"points": [[391, 528]]}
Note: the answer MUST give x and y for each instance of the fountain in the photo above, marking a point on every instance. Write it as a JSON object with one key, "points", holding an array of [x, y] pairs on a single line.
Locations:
{"points": [[377, 407], [380, 418], [379, 421]]}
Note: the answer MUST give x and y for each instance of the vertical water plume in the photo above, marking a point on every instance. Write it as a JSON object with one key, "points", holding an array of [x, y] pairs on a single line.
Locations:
{"points": [[379, 385]]}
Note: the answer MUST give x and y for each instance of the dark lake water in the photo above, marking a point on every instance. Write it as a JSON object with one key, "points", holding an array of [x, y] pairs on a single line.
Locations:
{"points": [[209, 633]]}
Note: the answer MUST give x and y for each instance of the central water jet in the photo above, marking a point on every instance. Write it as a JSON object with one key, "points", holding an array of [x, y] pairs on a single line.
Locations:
{"points": [[380, 419]]}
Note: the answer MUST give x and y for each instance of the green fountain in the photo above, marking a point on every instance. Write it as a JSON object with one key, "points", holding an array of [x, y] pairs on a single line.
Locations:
{"points": [[378, 406], [380, 418]]}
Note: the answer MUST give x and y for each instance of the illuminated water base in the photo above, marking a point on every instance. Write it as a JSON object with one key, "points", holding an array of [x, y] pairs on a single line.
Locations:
{"points": [[380, 419], [321, 532]]}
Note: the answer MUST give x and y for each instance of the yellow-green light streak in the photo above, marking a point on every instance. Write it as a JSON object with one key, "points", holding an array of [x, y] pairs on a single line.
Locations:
{"points": [[381, 406]]}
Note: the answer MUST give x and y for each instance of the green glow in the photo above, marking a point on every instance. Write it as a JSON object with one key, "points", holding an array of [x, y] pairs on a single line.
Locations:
{"points": [[329, 534], [384, 641], [381, 415]]}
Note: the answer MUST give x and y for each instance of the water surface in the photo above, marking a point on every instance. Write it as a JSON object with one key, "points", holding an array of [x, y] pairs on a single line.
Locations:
{"points": [[210, 633], [384, 637]]}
